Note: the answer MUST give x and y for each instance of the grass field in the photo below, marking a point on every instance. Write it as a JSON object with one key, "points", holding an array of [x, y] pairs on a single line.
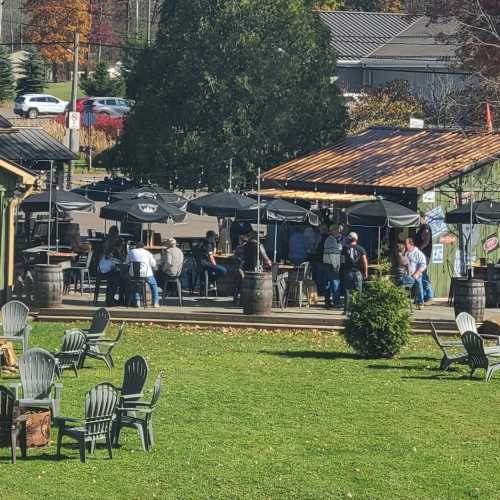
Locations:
{"points": [[62, 90], [248, 415]]}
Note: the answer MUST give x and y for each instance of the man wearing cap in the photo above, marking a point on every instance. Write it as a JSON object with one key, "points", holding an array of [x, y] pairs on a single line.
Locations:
{"points": [[172, 260], [354, 267]]}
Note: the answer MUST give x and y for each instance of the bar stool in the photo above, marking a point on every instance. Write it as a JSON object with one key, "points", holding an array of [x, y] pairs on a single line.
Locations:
{"points": [[138, 283], [178, 285]]}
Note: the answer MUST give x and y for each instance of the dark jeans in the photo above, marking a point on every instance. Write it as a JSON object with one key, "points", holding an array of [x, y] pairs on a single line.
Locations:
{"points": [[410, 282], [427, 286], [113, 279], [353, 281], [216, 271]]}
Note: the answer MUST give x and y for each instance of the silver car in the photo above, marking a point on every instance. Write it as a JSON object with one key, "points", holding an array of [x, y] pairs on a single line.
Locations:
{"points": [[111, 106], [32, 105]]}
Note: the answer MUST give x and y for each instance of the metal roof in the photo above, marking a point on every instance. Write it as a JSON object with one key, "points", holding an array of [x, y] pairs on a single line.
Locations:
{"points": [[31, 144], [357, 34], [290, 194], [389, 158]]}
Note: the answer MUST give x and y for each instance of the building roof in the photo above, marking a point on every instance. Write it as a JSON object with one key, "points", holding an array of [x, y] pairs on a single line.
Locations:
{"points": [[420, 41], [357, 34], [26, 174], [32, 144], [292, 194], [388, 158]]}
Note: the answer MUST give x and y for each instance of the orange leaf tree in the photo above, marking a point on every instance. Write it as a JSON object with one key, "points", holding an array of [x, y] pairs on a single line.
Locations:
{"points": [[53, 25]]}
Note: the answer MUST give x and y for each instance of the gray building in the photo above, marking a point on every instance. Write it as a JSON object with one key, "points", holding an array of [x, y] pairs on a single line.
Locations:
{"points": [[375, 48]]}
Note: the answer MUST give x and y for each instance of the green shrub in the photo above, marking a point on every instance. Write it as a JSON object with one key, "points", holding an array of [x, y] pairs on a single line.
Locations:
{"points": [[378, 323]]}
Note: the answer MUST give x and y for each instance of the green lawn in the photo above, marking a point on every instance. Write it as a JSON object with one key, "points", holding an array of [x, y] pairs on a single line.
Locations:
{"points": [[254, 415], [62, 90]]}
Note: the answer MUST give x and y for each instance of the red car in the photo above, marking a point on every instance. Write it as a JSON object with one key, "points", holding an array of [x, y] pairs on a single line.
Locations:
{"points": [[79, 104]]}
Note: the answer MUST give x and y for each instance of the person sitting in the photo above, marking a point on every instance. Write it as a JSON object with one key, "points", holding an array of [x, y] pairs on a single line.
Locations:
{"points": [[172, 260], [238, 229], [400, 265], [417, 264], [208, 252], [113, 244], [109, 268], [79, 246], [147, 264]]}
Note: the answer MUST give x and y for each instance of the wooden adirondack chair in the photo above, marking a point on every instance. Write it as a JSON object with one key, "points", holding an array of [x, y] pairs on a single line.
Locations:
{"points": [[135, 374], [11, 427], [446, 346], [101, 349], [15, 323], [72, 349], [478, 357], [465, 323], [100, 405], [37, 369], [139, 417]]}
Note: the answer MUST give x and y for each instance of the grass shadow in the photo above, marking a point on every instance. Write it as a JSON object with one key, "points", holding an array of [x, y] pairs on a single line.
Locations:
{"points": [[440, 377], [396, 367], [314, 354]]}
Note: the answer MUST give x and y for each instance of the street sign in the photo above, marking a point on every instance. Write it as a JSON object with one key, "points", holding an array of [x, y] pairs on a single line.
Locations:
{"points": [[88, 118], [74, 120]]}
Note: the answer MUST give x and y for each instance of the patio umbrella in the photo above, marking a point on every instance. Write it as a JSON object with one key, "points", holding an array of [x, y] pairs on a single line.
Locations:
{"points": [[142, 210], [381, 213], [63, 201], [483, 212], [219, 204], [155, 192], [102, 190]]}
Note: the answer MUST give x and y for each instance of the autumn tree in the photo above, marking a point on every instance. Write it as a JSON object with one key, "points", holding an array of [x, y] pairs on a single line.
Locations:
{"points": [[103, 29], [53, 25]]}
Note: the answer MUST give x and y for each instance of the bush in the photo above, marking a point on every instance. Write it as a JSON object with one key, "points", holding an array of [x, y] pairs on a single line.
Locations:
{"points": [[378, 323]]}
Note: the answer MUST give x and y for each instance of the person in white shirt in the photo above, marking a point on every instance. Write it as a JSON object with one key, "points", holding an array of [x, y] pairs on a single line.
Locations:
{"points": [[147, 264], [417, 264]]}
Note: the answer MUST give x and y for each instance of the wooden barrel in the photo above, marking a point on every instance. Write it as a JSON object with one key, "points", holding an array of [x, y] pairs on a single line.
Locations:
{"points": [[491, 291], [257, 293], [48, 285], [470, 297]]}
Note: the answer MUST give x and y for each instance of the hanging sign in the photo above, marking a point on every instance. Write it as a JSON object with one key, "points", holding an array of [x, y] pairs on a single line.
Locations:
{"points": [[438, 254], [449, 239], [435, 219], [429, 197], [490, 243], [74, 120]]}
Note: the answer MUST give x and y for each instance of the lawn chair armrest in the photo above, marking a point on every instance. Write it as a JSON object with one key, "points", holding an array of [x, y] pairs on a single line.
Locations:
{"points": [[57, 390], [60, 422], [141, 409], [132, 396], [75, 330]]}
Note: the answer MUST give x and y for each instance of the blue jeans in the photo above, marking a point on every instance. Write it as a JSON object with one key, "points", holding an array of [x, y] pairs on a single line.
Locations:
{"points": [[410, 281], [427, 286], [215, 271], [332, 286], [151, 281]]}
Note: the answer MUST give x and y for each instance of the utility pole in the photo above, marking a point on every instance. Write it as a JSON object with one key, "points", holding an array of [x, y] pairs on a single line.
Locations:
{"points": [[149, 24], [137, 19], [1, 18], [74, 135]]}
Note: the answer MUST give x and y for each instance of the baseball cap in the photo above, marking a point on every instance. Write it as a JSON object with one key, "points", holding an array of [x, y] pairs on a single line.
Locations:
{"points": [[352, 236]]}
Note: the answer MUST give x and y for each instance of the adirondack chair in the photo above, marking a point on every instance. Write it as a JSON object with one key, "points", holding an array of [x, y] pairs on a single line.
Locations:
{"points": [[72, 349], [15, 323], [37, 369], [135, 374], [478, 357], [466, 323], [101, 349], [100, 405], [11, 427], [446, 346], [139, 417]]}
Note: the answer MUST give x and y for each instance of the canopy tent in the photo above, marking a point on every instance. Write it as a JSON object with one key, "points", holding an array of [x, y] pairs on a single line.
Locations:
{"points": [[142, 210], [154, 192], [481, 212], [381, 213], [63, 201], [219, 204]]}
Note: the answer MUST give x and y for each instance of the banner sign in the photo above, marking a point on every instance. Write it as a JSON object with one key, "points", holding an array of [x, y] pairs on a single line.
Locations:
{"points": [[438, 253], [490, 244]]}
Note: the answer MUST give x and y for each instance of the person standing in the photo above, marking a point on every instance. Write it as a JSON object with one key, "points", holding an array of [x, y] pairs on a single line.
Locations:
{"points": [[147, 264], [237, 229], [417, 265], [423, 240], [353, 267], [331, 260]]}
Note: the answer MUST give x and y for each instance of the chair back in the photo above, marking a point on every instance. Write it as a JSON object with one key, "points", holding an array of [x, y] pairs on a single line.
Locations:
{"points": [[7, 402], [135, 374], [466, 323], [302, 271], [88, 259], [100, 321], [72, 346], [435, 334], [157, 389], [275, 268], [100, 404], [14, 318], [136, 270], [37, 369], [474, 346]]}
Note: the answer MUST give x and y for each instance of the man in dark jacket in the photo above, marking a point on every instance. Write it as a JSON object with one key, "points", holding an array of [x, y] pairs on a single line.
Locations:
{"points": [[423, 240]]}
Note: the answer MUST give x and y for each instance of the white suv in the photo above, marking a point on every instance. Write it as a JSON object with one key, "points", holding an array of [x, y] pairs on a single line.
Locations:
{"points": [[32, 105]]}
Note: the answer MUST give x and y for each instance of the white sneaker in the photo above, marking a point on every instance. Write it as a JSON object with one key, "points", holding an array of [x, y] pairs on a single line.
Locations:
{"points": [[156, 305]]}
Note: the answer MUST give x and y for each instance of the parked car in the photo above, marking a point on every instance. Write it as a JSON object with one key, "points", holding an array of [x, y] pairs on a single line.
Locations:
{"points": [[32, 105], [111, 106]]}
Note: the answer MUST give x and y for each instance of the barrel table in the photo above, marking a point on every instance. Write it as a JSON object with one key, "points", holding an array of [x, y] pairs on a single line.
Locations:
{"points": [[48, 285], [470, 297], [257, 293]]}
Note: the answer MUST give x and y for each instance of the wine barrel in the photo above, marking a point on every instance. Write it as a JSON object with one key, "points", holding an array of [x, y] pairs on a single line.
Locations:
{"points": [[48, 285], [257, 293], [470, 297], [491, 291]]}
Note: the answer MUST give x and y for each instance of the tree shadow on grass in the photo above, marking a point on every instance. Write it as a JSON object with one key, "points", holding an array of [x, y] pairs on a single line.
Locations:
{"points": [[314, 354], [402, 367], [441, 377]]}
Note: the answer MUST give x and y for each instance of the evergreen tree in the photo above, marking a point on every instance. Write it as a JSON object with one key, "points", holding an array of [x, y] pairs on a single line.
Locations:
{"points": [[100, 83], [251, 80], [32, 80], [6, 77]]}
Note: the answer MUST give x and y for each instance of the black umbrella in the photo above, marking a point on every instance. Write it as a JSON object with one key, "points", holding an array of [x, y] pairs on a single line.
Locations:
{"points": [[381, 213], [63, 201], [102, 190], [278, 211], [219, 204], [155, 192], [483, 212], [142, 210]]}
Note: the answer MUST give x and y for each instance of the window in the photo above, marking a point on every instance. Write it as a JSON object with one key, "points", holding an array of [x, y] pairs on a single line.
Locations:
{"points": [[19, 99], [111, 102], [52, 99], [38, 99], [121, 102]]}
